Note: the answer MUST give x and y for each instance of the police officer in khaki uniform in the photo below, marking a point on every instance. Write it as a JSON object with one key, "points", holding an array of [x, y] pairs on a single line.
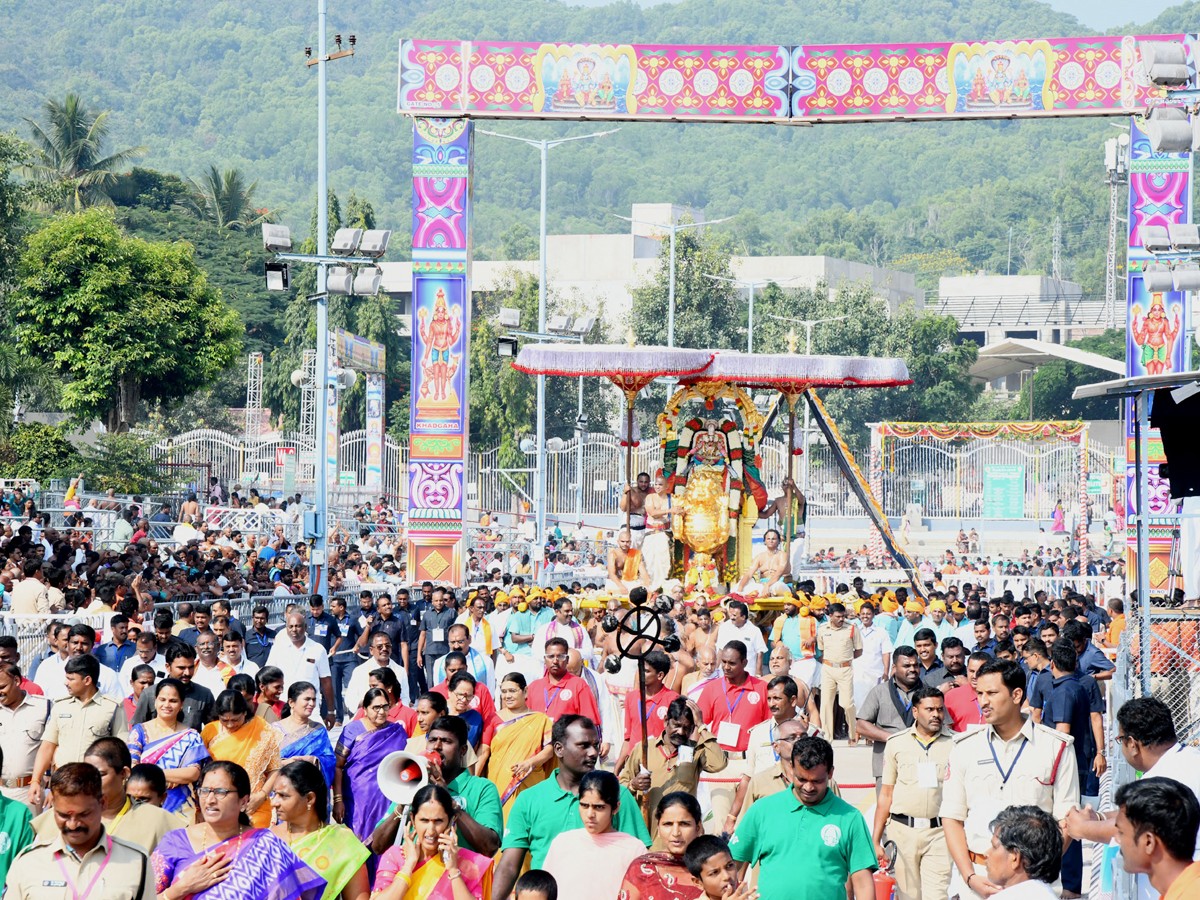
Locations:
{"points": [[1010, 761], [840, 644], [76, 721], [914, 769], [82, 860]]}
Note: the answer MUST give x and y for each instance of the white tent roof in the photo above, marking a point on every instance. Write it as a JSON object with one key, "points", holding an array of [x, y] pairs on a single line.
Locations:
{"points": [[1016, 355]]}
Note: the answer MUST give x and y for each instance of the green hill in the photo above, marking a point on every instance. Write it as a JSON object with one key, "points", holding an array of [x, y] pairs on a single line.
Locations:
{"points": [[225, 83]]}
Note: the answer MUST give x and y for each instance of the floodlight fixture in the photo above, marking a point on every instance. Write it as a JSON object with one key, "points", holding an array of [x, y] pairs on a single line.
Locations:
{"points": [[1169, 130], [1186, 277], [346, 241], [1155, 238], [277, 276], [1184, 237], [344, 380], [1165, 62], [277, 238], [297, 377], [339, 280], [583, 325], [374, 242], [558, 323], [507, 347], [510, 317], [367, 281], [1157, 277]]}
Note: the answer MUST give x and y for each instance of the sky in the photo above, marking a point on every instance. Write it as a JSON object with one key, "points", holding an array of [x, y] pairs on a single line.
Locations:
{"points": [[1100, 15]]}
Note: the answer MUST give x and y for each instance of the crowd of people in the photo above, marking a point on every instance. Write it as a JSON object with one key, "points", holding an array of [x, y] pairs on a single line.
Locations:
{"points": [[179, 751]]}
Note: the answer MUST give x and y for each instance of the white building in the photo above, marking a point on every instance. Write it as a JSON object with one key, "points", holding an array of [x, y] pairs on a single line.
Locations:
{"points": [[600, 271]]}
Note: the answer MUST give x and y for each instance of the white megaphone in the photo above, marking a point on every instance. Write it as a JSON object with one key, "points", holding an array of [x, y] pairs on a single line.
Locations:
{"points": [[401, 774]]}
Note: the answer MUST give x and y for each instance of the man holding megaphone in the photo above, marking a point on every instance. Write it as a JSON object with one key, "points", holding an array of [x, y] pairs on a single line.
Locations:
{"points": [[480, 818]]}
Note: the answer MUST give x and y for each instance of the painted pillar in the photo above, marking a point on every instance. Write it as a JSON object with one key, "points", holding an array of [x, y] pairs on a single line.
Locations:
{"points": [[441, 324], [1157, 326], [373, 474]]}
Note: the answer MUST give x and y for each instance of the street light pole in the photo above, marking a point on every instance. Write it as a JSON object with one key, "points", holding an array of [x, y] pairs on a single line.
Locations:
{"points": [[750, 287], [540, 476], [317, 560], [672, 229]]}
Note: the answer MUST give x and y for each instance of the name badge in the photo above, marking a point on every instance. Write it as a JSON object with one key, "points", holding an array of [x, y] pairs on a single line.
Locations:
{"points": [[728, 733], [55, 884], [686, 754], [311, 660], [439, 635], [321, 630], [927, 775], [64, 715]]}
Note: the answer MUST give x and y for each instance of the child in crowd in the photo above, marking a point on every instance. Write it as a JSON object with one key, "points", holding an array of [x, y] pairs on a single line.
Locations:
{"points": [[536, 884], [715, 870]]}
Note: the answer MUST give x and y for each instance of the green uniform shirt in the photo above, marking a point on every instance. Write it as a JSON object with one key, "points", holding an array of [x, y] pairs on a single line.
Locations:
{"points": [[480, 800], [544, 811], [831, 838], [16, 832]]}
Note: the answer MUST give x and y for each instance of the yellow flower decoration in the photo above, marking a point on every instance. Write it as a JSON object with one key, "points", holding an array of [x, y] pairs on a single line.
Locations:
{"points": [[652, 98], [430, 94], [822, 99], [931, 97], [759, 65], [725, 65], [859, 99], [893, 64], [690, 64], [858, 64], [722, 100], [431, 59], [654, 63], [758, 100], [930, 62], [821, 64]]}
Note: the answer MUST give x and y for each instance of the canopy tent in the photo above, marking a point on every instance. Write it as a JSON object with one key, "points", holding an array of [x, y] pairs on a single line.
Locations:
{"points": [[1016, 355]]}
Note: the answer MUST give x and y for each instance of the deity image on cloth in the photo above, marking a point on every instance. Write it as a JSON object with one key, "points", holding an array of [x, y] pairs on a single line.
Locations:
{"points": [[1154, 334], [999, 76], [440, 393]]}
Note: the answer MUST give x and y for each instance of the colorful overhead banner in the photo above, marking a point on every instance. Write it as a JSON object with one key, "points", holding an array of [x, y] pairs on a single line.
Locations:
{"points": [[359, 353], [441, 324], [1028, 77]]}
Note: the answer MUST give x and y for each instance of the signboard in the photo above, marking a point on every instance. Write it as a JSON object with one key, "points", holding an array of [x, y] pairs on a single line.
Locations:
{"points": [[348, 478], [1095, 484], [355, 352], [291, 463], [374, 422], [1003, 491], [282, 454]]}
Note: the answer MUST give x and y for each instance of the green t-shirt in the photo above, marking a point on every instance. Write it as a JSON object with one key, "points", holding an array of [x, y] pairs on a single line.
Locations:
{"points": [[831, 839], [16, 832], [479, 798], [544, 811]]}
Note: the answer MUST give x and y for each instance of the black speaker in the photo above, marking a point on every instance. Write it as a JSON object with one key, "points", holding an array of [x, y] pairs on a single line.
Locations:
{"points": [[1179, 425]]}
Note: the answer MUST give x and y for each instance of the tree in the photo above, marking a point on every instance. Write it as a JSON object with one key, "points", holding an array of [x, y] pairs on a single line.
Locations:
{"points": [[15, 198], [38, 451], [225, 199], [121, 319], [69, 152]]}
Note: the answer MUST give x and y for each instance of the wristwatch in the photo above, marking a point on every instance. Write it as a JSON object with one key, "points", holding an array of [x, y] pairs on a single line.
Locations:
{"points": [[459, 806]]}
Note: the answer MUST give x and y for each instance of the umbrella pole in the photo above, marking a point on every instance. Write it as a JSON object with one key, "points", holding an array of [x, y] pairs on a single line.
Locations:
{"points": [[628, 458], [791, 399], [645, 798]]}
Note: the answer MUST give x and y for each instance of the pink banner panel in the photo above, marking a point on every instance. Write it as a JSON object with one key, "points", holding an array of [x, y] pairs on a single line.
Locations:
{"points": [[1086, 76]]}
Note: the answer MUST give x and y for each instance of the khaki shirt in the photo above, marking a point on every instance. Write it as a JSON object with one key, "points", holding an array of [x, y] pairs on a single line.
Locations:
{"points": [[904, 762], [141, 825], [74, 724], [21, 732], [838, 644], [668, 774], [1041, 772], [38, 873]]}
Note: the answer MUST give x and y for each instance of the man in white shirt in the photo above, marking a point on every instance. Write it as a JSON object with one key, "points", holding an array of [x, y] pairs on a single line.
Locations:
{"points": [[738, 627], [233, 647], [210, 672], [52, 676], [873, 666], [380, 649], [564, 626], [145, 654], [1148, 741], [300, 658], [1025, 855], [479, 665]]}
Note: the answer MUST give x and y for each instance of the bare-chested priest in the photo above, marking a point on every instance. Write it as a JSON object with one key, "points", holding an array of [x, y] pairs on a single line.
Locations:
{"points": [[656, 549], [623, 569], [790, 510], [765, 576], [633, 501]]}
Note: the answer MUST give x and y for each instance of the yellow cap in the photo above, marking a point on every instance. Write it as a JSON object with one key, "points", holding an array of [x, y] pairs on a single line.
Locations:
{"points": [[914, 606], [938, 604]]}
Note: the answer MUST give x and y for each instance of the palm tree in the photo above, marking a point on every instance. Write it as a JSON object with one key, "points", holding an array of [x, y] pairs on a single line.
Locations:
{"points": [[226, 200], [69, 150]]}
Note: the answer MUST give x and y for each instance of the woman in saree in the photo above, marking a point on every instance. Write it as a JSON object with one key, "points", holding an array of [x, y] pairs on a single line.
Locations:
{"points": [[174, 748], [301, 802], [223, 857], [661, 874], [357, 800], [429, 864], [387, 680], [522, 754], [597, 848], [300, 736], [239, 737], [140, 678]]}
